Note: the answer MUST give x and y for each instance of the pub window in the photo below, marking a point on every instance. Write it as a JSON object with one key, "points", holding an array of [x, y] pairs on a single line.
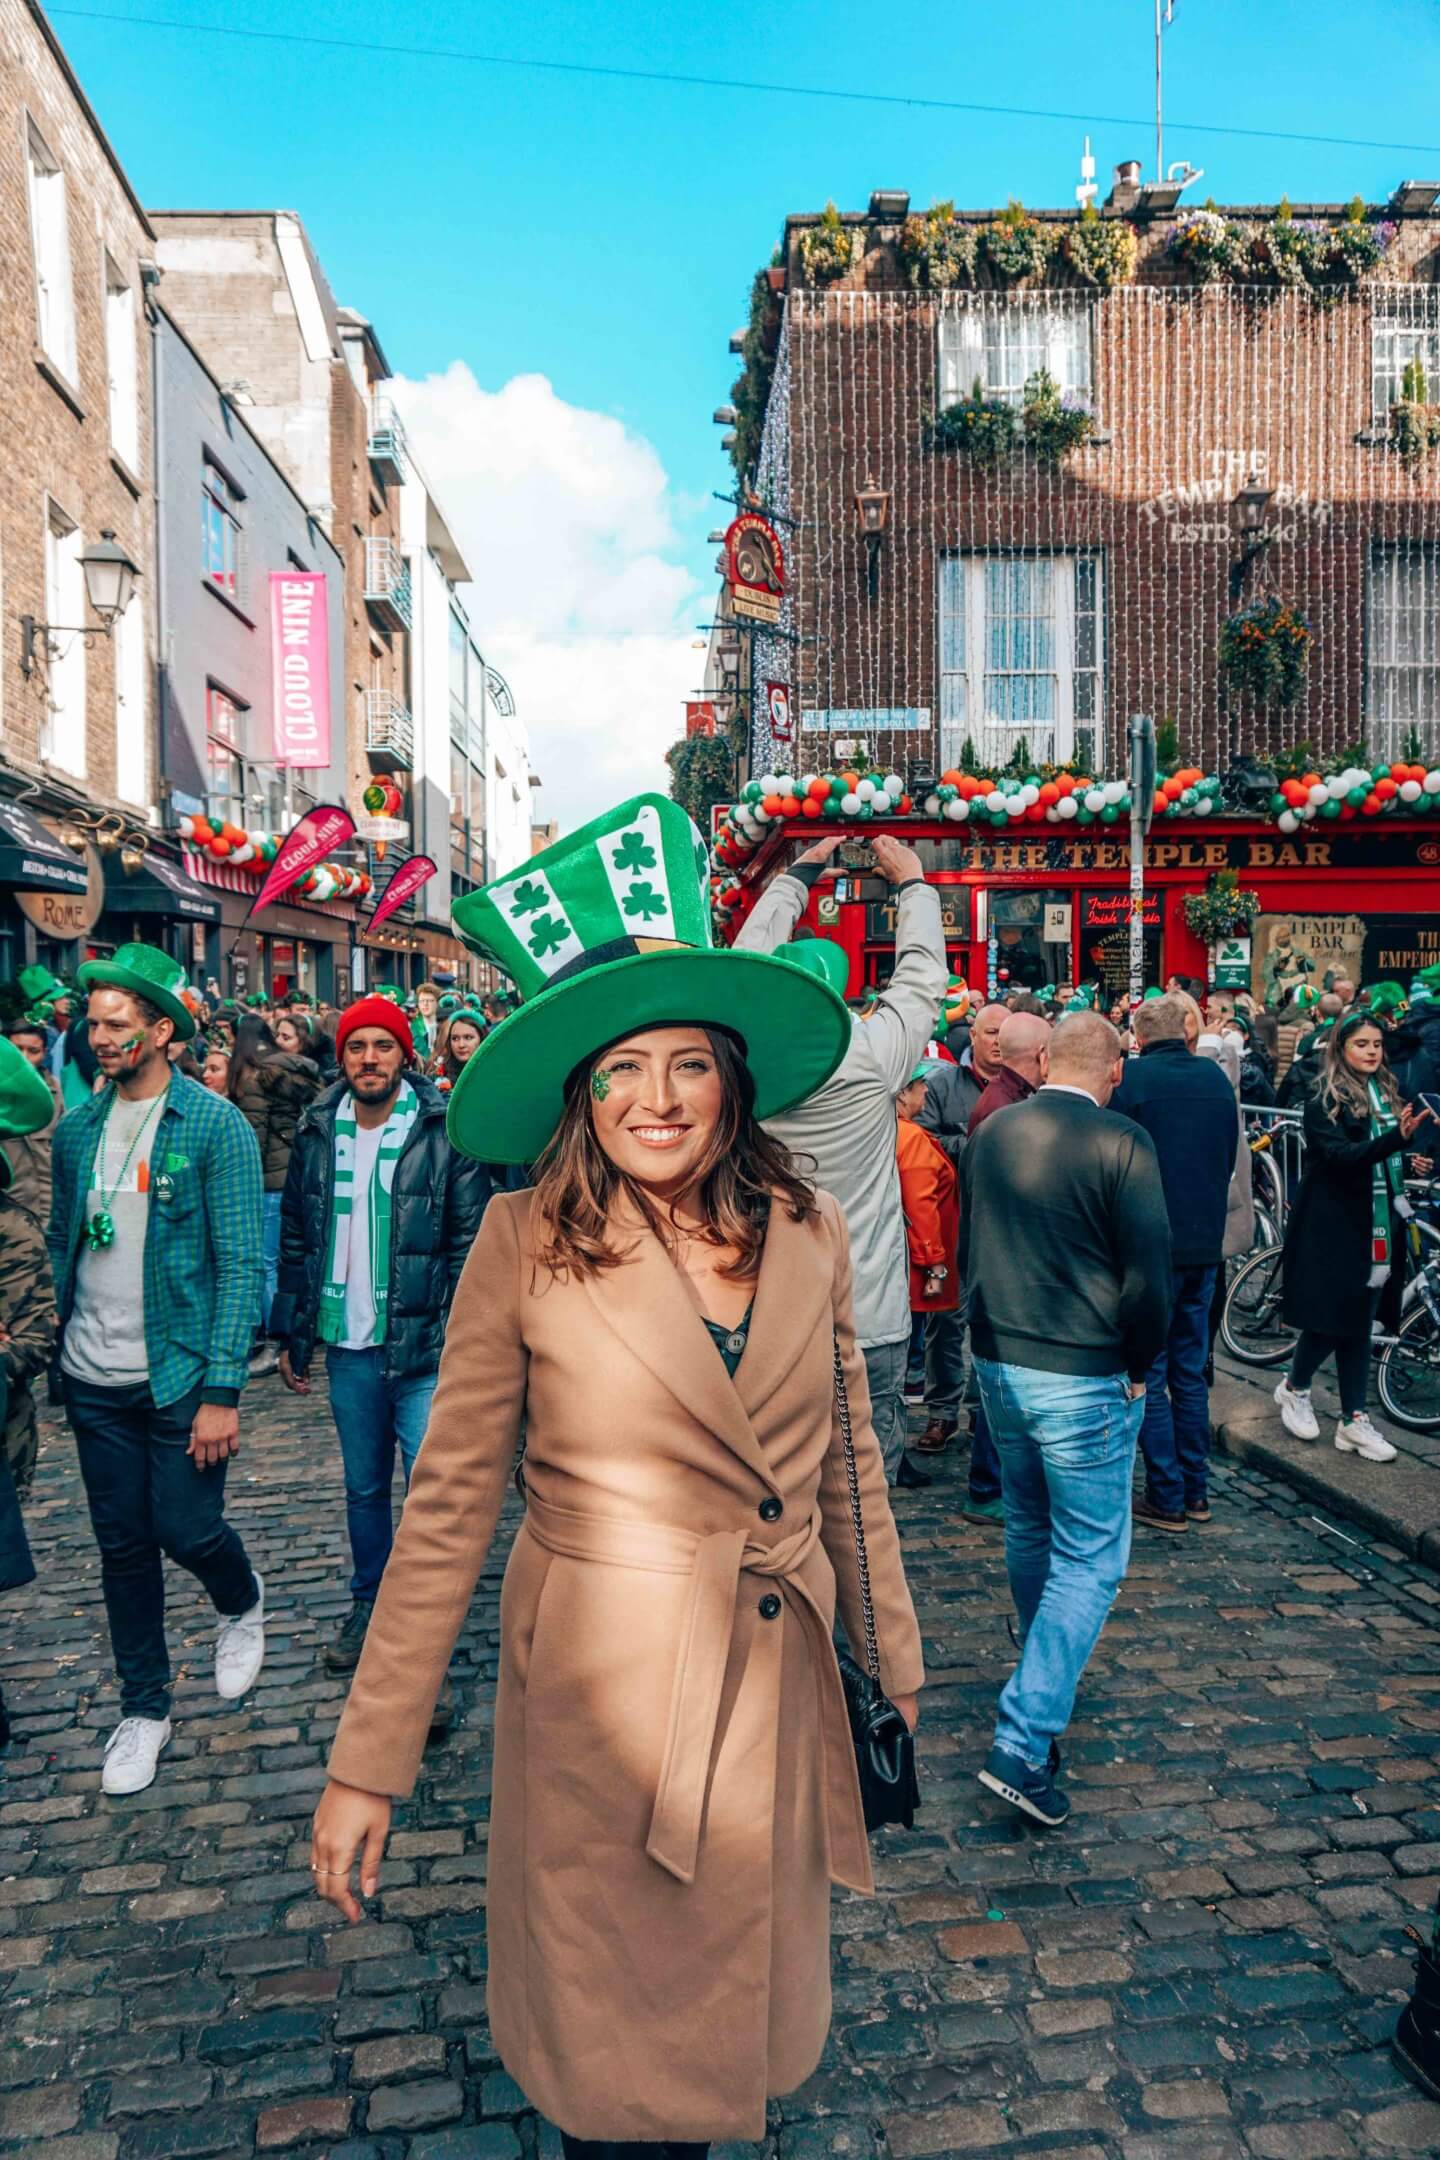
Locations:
{"points": [[1021, 656], [50, 240], [1402, 644], [224, 752], [122, 365], [220, 502], [1404, 329], [1001, 340]]}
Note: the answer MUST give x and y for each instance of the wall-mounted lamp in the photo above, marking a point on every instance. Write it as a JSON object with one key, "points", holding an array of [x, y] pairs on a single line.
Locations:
{"points": [[109, 583], [1253, 501], [872, 504]]}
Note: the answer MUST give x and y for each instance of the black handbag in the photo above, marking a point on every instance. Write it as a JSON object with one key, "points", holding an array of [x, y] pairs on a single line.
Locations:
{"points": [[884, 1743]]}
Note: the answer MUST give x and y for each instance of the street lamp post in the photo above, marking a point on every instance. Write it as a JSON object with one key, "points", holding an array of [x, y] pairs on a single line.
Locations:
{"points": [[110, 578]]}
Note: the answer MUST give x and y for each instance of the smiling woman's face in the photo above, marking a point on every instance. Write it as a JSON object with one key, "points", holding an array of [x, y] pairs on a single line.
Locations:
{"points": [[655, 1100]]}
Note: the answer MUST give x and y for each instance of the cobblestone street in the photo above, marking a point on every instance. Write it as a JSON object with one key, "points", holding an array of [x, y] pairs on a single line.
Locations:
{"points": [[1207, 1962]]}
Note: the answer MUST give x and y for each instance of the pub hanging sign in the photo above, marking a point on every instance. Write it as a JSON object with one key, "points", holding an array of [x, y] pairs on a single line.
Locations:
{"points": [[755, 568]]}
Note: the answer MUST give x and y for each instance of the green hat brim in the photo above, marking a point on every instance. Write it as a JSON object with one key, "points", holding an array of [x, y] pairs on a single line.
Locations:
{"points": [[510, 1097], [107, 975]]}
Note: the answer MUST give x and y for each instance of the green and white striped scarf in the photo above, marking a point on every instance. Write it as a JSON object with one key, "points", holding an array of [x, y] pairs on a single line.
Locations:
{"points": [[1386, 1187], [392, 1140]]}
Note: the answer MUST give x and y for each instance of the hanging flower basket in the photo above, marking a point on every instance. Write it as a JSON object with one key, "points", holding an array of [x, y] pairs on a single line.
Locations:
{"points": [[1263, 651], [938, 249], [1018, 246], [1102, 251], [980, 428], [1209, 245], [1357, 246], [1053, 425], [829, 250], [1223, 910]]}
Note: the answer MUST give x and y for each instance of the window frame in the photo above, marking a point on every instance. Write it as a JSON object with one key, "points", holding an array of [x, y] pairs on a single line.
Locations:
{"points": [[221, 500], [122, 384], [955, 374], [1390, 554], [63, 734], [225, 738], [1077, 621], [52, 262], [1413, 313]]}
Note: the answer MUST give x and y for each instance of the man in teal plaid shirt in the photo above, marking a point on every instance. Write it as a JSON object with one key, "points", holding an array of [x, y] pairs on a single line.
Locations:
{"points": [[156, 1235]]}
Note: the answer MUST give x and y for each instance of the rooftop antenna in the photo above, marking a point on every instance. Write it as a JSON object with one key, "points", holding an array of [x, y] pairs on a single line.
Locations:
{"points": [[1087, 191], [1164, 15]]}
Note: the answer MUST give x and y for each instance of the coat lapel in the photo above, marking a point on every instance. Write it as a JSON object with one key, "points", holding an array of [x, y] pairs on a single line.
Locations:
{"points": [[791, 1298], [645, 1303]]}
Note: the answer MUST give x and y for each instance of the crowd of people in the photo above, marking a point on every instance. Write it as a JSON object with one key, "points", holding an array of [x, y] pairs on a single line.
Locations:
{"points": [[748, 1223]]}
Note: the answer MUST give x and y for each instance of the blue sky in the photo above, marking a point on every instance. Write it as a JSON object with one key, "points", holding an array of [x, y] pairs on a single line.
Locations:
{"points": [[601, 234]]}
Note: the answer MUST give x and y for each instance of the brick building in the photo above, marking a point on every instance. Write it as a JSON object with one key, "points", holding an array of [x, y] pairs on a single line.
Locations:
{"points": [[76, 714], [1047, 601], [1254, 390]]}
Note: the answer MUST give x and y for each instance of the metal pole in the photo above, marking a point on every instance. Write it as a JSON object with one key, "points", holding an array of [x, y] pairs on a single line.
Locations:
{"points": [[1159, 124], [1142, 786]]}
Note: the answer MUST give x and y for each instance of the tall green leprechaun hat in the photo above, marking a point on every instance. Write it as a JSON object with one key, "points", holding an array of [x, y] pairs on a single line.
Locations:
{"points": [[148, 973], [26, 1103], [606, 933]]}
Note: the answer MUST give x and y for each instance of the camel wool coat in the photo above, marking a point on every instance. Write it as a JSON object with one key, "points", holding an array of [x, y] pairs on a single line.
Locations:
{"points": [[674, 1782]]}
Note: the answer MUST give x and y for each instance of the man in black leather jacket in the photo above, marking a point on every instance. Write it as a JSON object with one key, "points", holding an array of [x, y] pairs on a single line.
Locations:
{"points": [[378, 1215]]}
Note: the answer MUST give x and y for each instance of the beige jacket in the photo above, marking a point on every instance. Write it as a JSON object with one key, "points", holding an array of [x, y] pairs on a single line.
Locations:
{"points": [[674, 1784]]}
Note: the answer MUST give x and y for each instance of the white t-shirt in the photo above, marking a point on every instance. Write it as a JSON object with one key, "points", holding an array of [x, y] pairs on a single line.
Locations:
{"points": [[359, 1289], [105, 1334]]}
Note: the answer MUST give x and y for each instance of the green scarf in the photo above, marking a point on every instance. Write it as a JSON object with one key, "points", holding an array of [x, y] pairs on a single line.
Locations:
{"points": [[392, 1141], [1385, 1187]]}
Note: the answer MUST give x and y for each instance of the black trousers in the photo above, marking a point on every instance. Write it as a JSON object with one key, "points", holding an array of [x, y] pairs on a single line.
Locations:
{"points": [[147, 1498]]}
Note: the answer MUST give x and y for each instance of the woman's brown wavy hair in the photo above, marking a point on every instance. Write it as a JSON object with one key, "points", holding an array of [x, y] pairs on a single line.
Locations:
{"points": [[743, 1168], [1343, 1093]]}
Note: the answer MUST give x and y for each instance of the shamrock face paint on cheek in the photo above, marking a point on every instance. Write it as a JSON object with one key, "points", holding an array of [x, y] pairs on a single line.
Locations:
{"points": [[599, 1085]]}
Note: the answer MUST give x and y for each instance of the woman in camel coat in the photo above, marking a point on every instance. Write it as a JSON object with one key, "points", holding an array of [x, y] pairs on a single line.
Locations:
{"points": [[674, 1780]]}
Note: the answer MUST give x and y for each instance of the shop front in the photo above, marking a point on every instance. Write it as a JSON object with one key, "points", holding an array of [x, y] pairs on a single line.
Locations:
{"points": [[50, 894], [291, 945], [1023, 913], [156, 902]]}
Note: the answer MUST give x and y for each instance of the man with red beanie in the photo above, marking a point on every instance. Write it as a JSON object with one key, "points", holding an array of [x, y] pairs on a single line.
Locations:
{"points": [[378, 1214]]}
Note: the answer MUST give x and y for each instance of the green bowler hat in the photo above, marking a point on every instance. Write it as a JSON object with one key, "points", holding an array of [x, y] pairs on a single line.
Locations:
{"points": [[607, 933], [39, 986], [26, 1103], [145, 972]]}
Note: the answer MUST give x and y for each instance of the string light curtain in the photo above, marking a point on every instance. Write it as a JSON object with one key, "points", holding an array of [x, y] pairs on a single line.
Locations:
{"points": [[1134, 542]]}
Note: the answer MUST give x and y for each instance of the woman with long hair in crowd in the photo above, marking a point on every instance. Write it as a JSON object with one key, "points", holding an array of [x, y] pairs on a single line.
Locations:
{"points": [[459, 1038], [1345, 1238], [674, 1784]]}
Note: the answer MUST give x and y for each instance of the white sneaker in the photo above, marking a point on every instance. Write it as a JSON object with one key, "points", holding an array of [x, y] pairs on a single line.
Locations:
{"points": [[132, 1752], [1357, 1436], [240, 1649], [1297, 1412]]}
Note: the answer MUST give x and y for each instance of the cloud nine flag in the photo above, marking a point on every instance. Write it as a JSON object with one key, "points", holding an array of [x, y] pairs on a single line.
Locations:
{"points": [[327, 827], [300, 668], [408, 878]]}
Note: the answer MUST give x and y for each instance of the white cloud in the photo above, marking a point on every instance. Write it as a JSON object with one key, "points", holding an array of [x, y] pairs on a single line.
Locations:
{"points": [[565, 520]]}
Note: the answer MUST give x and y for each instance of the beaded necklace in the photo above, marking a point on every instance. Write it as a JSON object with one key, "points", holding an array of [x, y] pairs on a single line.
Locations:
{"points": [[100, 1229]]}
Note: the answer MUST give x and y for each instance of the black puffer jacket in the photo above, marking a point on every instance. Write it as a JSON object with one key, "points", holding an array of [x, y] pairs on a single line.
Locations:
{"points": [[437, 1201]]}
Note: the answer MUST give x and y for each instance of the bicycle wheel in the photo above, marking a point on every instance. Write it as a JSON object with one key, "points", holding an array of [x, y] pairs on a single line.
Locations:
{"points": [[1251, 1326], [1267, 1230], [1410, 1373], [1269, 1192]]}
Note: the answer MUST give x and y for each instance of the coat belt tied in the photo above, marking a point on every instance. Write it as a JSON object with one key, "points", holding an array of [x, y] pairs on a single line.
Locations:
{"points": [[715, 1565]]}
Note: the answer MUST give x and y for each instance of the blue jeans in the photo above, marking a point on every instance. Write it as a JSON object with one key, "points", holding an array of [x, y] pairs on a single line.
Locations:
{"points": [[270, 1255], [1067, 1455], [147, 1498], [1175, 1435], [373, 1414], [885, 1371], [984, 1482]]}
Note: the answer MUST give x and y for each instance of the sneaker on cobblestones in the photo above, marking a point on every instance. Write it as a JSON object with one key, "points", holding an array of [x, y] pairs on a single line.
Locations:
{"points": [[240, 1649], [1357, 1436], [1032, 1790], [131, 1753], [936, 1437], [1198, 1510], [343, 1654], [1297, 1412]]}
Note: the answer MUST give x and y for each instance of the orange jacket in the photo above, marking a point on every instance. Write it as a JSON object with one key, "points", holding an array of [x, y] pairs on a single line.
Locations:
{"points": [[930, 1198]]}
